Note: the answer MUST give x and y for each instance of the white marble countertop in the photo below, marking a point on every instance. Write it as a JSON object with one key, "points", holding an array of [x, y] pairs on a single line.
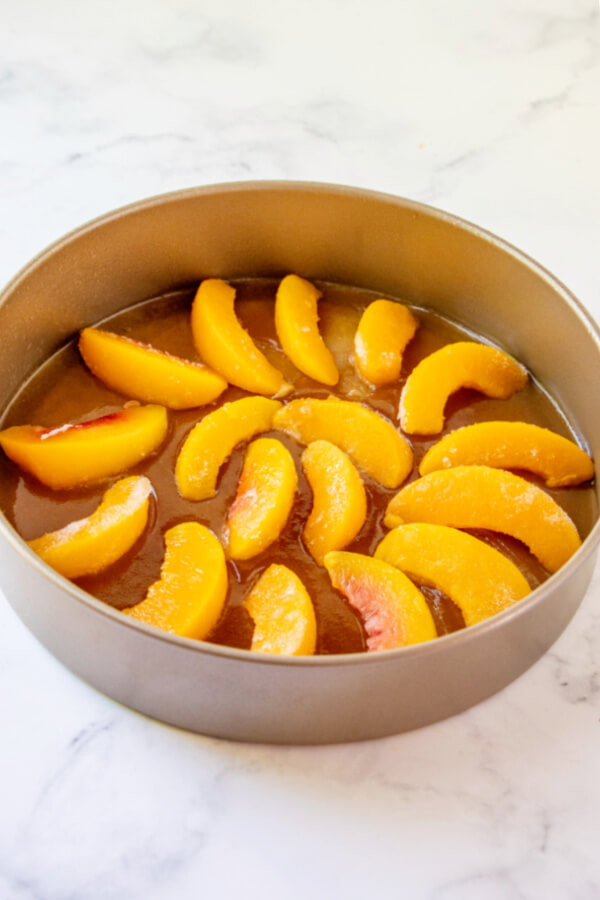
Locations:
{"points": [[487, 109]]}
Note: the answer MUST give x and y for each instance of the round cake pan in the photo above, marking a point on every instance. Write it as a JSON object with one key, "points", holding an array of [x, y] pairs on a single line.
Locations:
{"points": [[355, 237]]}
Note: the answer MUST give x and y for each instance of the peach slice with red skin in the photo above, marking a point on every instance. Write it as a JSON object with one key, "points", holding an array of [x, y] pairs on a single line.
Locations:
{"points": [[512, 445], [212, 440], [190, 595], [69, 456], [459, 365], [384, 330], [482, 497], [339, 505], [263, 501], [283, 614], [296, 321], [394, 612], [90, 545], [154, 376], [225, 346], [370, 441], [478, 578]]}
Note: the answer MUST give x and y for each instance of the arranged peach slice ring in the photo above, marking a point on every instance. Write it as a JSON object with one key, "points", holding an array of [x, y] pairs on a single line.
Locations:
{"points": [[263, 501], [384, 330], [225, 346], [478, 578], [189, 597], [339, 505], [482, 497], [459, 365], [394, 612], [283, 614], [69, 456], [512, 445], [90, 545], [296, 321], [212, 440], [139, 370], [369, 440]]}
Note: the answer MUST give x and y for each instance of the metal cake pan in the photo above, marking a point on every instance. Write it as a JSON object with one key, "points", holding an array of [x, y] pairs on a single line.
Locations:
{"points": [[339, 234]]}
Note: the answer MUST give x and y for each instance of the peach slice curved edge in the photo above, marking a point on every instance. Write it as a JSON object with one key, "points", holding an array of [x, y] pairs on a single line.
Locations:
{"points": [[482, 497], [225, 346], [512, 445], [263, 501], [212, 440], [283, 614], [384, 330], [70, 456], [393, 611], [478, 578], [370, 441], [92, 544], [190, 595], [297, 325], [140, 371], [459, 365], [339, 505]]}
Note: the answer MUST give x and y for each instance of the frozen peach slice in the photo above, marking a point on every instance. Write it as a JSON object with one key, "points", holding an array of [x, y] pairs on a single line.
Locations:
{"points": [[384, 330], [369, 440], [225, 346], [512, 445], [212, 440], [339, 501], [296, 321], [482, 497], [189, 597], [72, 455], [139, 370], [394, 612], [283, 614], [263, 501], [478, 578], [459, 365], [90, 545]]}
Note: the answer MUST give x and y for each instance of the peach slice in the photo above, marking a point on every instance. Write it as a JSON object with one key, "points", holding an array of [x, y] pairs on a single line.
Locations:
{"points": [[225, 346], [139, 370], [478, 578], [339, 500], [512, 445], [369, 440], [189, 597], [69, 456], [283, 614], [384, 330], [394, 612], [296, 321], [90, 545], [482, 497], [212, 440], [463, 364], [263, 501]]}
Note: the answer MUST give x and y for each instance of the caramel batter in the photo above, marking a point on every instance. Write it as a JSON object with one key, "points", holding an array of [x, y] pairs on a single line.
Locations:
{"points": [[64, 391]]}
